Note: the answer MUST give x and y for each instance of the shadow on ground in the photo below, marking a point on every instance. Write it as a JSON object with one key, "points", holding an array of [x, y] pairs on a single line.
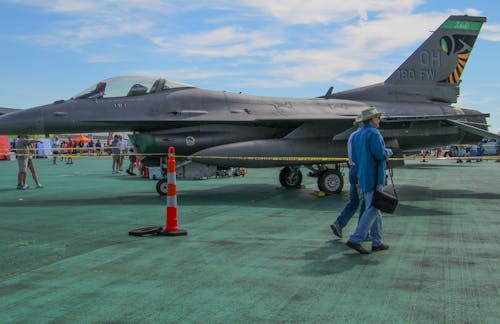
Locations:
{"points": [[332, 258], [421, 193]]}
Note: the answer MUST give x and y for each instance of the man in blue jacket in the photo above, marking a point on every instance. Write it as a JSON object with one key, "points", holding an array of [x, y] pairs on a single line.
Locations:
{"points": [[369, 154]]}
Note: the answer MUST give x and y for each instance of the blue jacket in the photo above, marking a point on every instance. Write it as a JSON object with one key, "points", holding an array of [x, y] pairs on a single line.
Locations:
{"points": [[368, 148]]}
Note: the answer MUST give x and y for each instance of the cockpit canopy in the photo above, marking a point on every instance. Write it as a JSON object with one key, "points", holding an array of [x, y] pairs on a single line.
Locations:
{"points": [[127, 86]]}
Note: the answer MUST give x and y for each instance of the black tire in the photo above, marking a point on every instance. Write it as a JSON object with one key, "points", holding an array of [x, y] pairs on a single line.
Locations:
{"points": [[289, 178], [161, 187], [331, 181], [150, 230]]}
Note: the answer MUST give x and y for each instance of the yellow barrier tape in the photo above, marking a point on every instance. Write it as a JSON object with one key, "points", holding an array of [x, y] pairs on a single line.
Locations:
{"points": [[104, 152], [95, 154]]}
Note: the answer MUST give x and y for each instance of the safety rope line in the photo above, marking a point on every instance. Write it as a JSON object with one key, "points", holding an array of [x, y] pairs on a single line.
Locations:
{"points": [[68, 148], [252, 158]]}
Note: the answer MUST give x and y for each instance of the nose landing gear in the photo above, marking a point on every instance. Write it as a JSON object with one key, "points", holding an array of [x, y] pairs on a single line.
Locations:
{"points": [[291, 177]]}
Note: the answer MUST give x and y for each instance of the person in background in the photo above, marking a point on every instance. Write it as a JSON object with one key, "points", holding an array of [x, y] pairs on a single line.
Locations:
{"points": [[353, 203], [63, 150], [131, 158], [90, 147], [123, 151], [115, 152], [480, 152], [468, 150], [79, 148], [70, 150], [460, 153], [24, 161], [98, 147], [55, 150], [31, 166]]}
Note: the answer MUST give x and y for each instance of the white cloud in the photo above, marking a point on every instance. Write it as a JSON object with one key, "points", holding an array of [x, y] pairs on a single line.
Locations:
{"points": [[80, 22], [328, 11], [97, 7], [388, 33], [88, 32], [363, 46], [104, 59], [221, 42], [364, 79], [303, 65], [62, 5], [490, 33], [187, 74], [467, 11], [360, 46], [361, 35]]}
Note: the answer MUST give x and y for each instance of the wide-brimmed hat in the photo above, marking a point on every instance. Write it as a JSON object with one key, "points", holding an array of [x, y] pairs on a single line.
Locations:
{"points": [[368, 114]]}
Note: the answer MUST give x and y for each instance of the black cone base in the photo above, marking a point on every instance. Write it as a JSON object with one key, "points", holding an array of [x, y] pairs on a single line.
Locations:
{"points": [[150, 230], [178, 232]]}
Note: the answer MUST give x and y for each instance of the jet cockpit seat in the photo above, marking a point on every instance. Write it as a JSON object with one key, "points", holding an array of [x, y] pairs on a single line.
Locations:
{"points": [[137, 89], [97, 93], [158, 86]]}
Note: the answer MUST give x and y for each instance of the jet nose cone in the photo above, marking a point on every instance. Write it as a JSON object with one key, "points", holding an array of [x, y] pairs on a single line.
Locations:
{"points": [[22, 122]]}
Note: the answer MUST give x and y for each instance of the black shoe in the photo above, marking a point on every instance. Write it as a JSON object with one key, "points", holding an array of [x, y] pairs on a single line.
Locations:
{"points": [[358, 247], [380, 247], [336, 229]]}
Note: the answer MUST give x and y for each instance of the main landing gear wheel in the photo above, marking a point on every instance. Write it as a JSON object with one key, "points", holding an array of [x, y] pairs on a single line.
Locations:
{"points": [[290, 177], [331, 181], [161, 187]]}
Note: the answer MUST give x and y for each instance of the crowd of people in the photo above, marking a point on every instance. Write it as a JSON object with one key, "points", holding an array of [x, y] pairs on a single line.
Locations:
{"points": [[119, 150], [64, 150]]}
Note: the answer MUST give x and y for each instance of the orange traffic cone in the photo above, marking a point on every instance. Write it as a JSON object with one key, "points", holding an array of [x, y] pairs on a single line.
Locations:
{"points": [[171, 227]]}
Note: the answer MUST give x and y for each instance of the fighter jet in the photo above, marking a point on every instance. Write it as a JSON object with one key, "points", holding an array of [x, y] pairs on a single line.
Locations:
{"points": [[214, 129]]}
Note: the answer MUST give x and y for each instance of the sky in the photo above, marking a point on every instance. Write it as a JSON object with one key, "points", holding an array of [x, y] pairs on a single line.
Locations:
{"points": [[52, 50]]}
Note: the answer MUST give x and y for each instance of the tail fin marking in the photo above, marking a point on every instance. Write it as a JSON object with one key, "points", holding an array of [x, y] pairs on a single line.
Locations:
{"points": [[443, 56]]}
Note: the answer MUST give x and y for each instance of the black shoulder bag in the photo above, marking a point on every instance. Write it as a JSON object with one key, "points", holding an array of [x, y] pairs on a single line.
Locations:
{"points": [[385, 201]]}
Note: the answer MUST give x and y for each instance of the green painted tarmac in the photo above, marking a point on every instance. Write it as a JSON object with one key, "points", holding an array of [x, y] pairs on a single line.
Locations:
{"points": [[253, 253]]}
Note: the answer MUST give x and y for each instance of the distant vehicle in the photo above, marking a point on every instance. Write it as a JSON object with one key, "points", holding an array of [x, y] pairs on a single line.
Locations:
{"points": [[491, 147], [487, 146], [450, 151]]}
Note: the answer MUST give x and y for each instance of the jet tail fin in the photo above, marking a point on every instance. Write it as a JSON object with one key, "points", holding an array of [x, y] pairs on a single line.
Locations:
{"points": [[441, 59], [433, 71]]}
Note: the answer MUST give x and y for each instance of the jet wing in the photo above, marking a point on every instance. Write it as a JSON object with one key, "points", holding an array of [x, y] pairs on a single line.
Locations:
{"points": [[396, 119], [474, 130], [309, 117], [451, 119]]}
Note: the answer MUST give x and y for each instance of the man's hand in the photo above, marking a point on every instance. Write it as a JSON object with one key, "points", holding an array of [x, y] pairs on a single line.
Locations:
{"points": [[387, 152]]}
